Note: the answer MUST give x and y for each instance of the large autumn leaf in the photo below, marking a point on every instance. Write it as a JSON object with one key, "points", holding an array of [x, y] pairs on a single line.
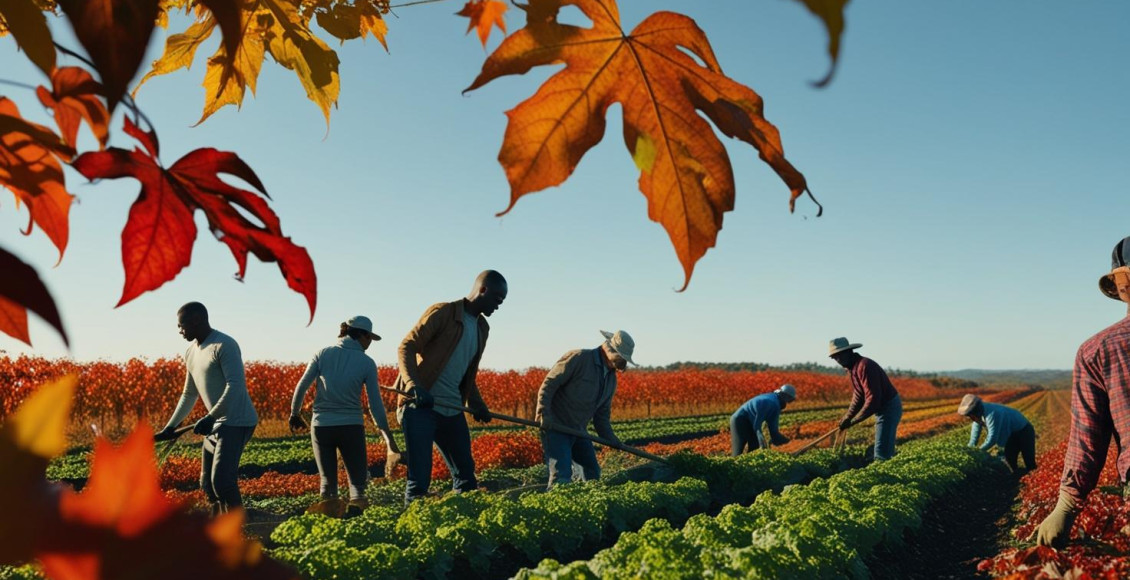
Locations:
{"points": [[29, 438], [74, 97], [25, 21], [123, 526], [30, 167], [22, 290], [482, 15], [157, 240], [348, 21], [663, 74], [831, 13]]}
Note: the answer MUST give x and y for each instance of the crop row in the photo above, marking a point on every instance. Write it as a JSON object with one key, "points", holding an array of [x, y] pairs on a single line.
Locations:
{"points": [[820, 530], [483, 534]]}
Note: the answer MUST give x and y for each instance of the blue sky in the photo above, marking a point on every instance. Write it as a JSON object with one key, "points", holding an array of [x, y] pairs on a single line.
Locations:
{"points": [[971, 157]]}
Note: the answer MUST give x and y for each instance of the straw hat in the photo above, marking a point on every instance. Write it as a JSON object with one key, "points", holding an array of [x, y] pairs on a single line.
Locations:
{"points": [[838, 345], [621, 343]]}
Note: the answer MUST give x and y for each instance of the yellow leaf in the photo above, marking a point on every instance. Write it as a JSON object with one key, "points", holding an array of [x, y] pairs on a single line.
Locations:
{"points": [[225, 79], [180, 50], [293, 45], [373, 23], [39, 424]]}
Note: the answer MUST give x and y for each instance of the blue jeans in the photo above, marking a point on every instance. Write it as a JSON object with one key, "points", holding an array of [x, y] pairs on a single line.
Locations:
{"points": [[886, 423], [422, 428], [219, 464], [562, 450], [742, 435]]}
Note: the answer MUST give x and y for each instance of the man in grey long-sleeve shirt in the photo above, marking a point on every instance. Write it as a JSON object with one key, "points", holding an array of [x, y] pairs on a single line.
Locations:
{"points": [[214, 374], [577, 390]]}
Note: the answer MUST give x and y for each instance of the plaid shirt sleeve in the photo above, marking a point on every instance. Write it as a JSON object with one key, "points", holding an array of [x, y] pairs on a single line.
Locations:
{"points": [[1091, 421]]}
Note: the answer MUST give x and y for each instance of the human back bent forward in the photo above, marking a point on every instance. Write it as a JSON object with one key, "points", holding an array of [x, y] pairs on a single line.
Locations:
{"points": [[438, 361], [871, 394], [576, 391], [215, 375]]}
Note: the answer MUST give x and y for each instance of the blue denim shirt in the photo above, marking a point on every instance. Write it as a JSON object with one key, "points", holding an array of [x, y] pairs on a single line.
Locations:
{"points": [[1001, 421], [763, 409]]}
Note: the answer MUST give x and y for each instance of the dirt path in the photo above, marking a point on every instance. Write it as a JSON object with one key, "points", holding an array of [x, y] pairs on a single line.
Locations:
{"points": [[958, 530]]}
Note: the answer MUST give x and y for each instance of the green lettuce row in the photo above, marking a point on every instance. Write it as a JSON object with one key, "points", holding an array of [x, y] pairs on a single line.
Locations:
{"points": [[820, 530], [484, 534]]}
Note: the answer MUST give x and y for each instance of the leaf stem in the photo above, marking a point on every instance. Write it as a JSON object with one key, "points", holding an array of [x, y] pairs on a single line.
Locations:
{"points": [[415, 3], [16, 84]]}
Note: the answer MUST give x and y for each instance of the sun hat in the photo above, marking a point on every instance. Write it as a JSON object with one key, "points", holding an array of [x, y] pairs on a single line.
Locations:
{"points": [[970, 405], [620, 342], [362, 323], [787, 390], [837, 345], [1119, 258]]}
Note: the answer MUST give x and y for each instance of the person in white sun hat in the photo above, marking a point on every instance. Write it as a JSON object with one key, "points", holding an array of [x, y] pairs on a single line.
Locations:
{"points": [[576, 391], [871, 394], [338, 374], [746, 422]]}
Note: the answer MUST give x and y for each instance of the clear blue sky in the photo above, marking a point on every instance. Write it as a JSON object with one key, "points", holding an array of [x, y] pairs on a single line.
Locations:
{"points": [[971, 157]]}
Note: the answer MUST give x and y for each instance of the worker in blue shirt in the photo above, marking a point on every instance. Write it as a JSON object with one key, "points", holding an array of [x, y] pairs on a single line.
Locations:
{"points": [[745, 423], [1007, 428]]}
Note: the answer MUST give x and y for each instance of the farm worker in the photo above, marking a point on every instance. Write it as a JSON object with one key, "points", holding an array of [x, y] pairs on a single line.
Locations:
{"points": [[576, 391], [745, 423], [1006, 427], [871, 394], [438, 362], [214, 374], [338, 373], [1100, 408]]}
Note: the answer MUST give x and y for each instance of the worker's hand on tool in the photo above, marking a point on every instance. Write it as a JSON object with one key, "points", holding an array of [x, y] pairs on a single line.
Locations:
{"points": [[845, 423], [204, 425], [297, 423], [482, 415], [166, 434], [424, 399], [1056, 528]]}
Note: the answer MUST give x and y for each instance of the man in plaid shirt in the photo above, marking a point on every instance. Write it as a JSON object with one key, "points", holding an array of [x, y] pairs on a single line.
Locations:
{"points": [[1100, 408]]}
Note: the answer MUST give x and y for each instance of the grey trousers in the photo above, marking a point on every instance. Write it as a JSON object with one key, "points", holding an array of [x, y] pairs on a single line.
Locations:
{"points": [[219, 465]]}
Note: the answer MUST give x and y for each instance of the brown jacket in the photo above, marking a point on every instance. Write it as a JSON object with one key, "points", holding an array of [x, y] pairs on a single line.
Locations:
{"points": [[428, 346], [577, 390]]}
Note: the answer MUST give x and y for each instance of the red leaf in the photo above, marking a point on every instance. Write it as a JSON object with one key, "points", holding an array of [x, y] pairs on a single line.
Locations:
{"points": [[115, 33], [22, 290], [157, 239], [74, 96], [30, 168], [482, 14]]}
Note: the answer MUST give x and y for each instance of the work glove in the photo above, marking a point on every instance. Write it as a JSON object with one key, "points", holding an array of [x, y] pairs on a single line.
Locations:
{"points": [[424, 399], [1055, 530], [297, 423], [166, 434], [845, 423], [204, 425], [482, 415]]}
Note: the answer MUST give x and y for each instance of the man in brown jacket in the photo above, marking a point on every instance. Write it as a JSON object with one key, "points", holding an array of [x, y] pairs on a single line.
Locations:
{"points": [[438, 362], [577, 390]]}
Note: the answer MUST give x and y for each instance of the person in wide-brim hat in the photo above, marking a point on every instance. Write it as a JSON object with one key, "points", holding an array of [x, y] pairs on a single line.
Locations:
{"points": [[871, 394]]}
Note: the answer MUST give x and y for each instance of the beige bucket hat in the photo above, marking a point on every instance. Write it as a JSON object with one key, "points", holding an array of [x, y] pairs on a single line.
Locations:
{"points": [[621, 342], [838, 345], [969, 404]]}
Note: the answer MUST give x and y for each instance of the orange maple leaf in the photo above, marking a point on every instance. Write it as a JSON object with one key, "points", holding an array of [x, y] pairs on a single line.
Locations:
{"points": [[30, 168], [663, 74], [482, 15], [123, 526], [74, 96]]}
